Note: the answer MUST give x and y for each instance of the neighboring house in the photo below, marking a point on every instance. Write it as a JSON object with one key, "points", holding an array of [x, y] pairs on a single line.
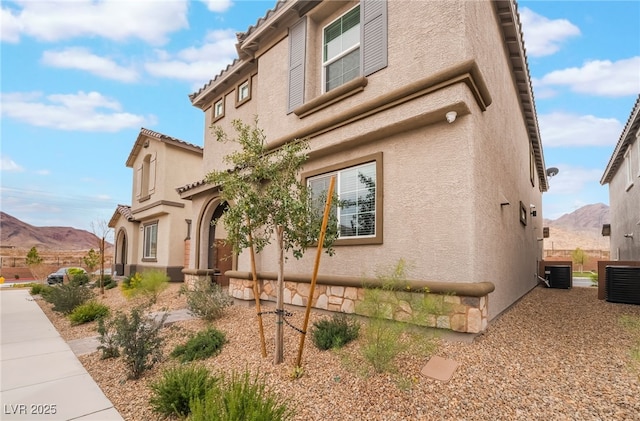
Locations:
{"points": [[424, 111], [153, 232], [623, 177]]}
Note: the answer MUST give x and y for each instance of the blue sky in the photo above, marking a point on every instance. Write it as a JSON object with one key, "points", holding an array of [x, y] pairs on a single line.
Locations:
{"points": [[80, 78]]}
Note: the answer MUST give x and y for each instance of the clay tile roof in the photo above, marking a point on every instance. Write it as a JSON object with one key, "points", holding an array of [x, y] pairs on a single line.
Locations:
{"points": [[124, 211], [190, 186], [240, 36], [166, 138]]}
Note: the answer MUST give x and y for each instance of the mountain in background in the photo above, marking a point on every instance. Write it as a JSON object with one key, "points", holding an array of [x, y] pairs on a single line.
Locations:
{"points": [[580, 228], [18, 234]]}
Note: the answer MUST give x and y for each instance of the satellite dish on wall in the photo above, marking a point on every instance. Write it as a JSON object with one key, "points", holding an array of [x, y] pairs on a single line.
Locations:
{"points": [[552, 171]]}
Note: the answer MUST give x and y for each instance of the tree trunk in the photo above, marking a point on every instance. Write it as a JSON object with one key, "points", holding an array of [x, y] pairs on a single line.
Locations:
{"points": [[279, 352]]}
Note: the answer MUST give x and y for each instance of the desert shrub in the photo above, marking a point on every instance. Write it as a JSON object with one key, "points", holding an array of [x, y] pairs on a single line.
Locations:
{"points": [[204, 344], [148, 284], [239, 398], [88, 312], [130, 283], [383, 335], [66, 297], [178, 387], [593, 276], [107, 281], [108, 344], [206, 300], [335, 332], [136, 337], [77, 277], [39, 289]]}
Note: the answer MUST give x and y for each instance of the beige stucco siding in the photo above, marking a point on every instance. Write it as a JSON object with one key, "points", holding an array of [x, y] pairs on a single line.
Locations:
{"points": [[625, 207], [451, 191]]}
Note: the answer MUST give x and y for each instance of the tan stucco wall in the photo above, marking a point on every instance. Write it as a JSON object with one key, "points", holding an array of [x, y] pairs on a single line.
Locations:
{"points": [[625, 208], [174, 167], [443, 183]]}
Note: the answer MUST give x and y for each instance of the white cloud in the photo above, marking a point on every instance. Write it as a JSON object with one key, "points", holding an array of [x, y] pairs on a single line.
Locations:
{"points": [[567, 129], [9, 26], [76, 112], [43, 172], [573, 180], [599, 77], [9, 165], [54, 20], [543, 36], [218, 5], [197, 64], [83, 59]]}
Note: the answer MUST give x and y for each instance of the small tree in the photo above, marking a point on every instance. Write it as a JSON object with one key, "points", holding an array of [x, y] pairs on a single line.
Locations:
{"points": [[91, 260], [268, 198], [35, 263], [579, 257], [101, 230]]}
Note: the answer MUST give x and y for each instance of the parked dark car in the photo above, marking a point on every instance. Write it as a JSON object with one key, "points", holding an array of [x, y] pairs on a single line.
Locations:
{"points": [[59, 275]]}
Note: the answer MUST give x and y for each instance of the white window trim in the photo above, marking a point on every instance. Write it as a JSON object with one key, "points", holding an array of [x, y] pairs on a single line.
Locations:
{"points": [[146, 238], [242, 99], [627, 160], [218, 104], [339, 56], [638, 150], [338, 174]]}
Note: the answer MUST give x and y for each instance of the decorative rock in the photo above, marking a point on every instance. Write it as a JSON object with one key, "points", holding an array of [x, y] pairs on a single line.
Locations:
{"points": [[348, 306], [322, 302], [474, 320]]}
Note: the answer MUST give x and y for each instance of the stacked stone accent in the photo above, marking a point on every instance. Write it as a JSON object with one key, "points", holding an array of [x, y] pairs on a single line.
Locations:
{"points": [[454, 312]]}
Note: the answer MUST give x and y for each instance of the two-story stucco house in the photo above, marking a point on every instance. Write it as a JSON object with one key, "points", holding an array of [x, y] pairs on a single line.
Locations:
{"points": [[425, 114], [623, 177], [153, 232]]}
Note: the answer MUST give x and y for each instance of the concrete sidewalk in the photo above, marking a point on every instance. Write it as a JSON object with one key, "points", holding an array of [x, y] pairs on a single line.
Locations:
{"points": [[40, 376]]}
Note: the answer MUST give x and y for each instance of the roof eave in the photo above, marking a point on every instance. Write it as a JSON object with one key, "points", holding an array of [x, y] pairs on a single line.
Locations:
{"points": [[630, 132]]}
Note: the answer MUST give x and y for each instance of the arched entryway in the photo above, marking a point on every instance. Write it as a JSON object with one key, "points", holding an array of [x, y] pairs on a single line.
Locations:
{"points": [[215, 254], [120, 258]]}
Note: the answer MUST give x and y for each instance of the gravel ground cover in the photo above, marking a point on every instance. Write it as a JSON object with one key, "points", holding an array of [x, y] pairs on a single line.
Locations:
{"points": [[555, 355]]}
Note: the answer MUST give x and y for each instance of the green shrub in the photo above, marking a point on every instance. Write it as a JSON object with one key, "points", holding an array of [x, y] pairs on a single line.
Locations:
{"points": [[149, 284], [334, 333], [66, 297], [108, 344], [88, 312], [173, 392], [107, 281], [240, 398], [203, 345], [39, 289], [206, 300], [77, 277], [136, 337], [130, 283], [382, 335]]}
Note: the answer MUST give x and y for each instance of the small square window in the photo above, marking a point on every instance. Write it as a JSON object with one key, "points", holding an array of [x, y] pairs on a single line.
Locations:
{"points": [[218, 109], [244, 93]]}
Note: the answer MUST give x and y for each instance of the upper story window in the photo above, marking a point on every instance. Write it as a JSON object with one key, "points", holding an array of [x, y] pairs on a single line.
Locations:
{"points": [[243, 93], [150, 243], [353, 45], [358, 189], [341, 49], [627, 160], [146, 178], [218, 109]]}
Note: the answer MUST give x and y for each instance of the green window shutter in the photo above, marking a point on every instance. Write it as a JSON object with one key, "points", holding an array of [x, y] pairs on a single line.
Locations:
{"points": [[373, 14], [297, 53]]}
